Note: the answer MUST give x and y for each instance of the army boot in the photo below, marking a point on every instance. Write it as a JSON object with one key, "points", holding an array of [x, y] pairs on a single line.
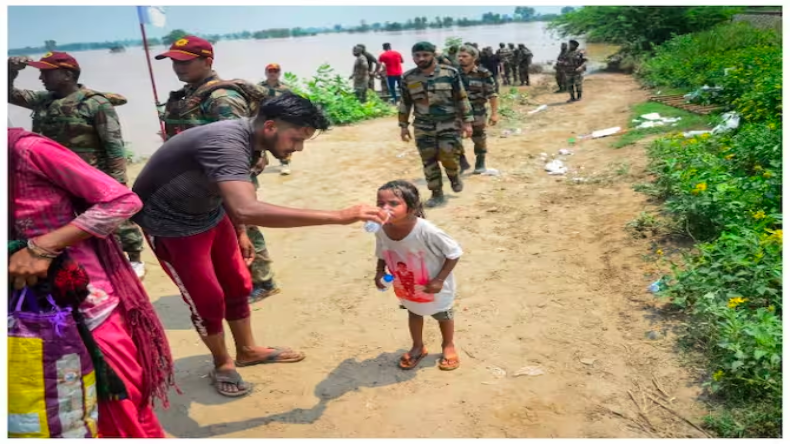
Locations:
{"points": [[480, 164], [464, 163], [578, 95], [437, 199], [457, 184]]}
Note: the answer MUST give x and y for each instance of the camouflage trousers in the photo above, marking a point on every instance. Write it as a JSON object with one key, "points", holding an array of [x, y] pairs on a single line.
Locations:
{"points": [[130, 236], [559, 76], [573, 81], [514, 70], [440, 144], [361, 90], [523, 72], [479, 136], [506, 73], [261, 267]]}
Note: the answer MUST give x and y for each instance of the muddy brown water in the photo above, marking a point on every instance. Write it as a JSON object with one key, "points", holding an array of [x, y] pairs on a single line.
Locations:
{"points": [[126, 73]]}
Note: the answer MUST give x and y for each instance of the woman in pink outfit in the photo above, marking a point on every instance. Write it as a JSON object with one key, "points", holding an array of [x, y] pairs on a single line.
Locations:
{"points": [[58, 202]]}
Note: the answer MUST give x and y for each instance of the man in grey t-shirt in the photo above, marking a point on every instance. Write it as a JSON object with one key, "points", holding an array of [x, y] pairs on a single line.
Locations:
{"points": [[196, 189]]}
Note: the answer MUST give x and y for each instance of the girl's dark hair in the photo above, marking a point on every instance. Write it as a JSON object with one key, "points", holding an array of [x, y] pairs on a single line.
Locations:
{"points": [[293, 109], [408, 192]]}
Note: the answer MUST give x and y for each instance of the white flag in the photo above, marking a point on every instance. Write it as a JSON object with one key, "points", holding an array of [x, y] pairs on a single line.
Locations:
{"points": [[152, 15]]}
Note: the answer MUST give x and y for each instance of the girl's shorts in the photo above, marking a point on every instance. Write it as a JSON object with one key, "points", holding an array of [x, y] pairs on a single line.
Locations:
{"points": [[440, 316]]}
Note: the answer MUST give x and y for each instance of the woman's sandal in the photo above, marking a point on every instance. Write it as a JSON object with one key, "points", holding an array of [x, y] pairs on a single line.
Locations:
{"points": [[230, 377], [408, 362]]}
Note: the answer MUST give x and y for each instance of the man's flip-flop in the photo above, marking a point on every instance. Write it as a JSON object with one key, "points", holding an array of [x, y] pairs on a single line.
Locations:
{"points": [[408, 362], [274, 358], [230, 377], [447, 365]]}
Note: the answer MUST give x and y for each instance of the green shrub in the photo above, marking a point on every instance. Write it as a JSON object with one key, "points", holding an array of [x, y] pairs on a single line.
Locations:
{"points": [[336, 96]]}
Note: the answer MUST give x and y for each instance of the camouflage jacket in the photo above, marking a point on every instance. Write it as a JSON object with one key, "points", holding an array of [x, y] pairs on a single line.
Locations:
{"points": [[271, 92], [360, 71], [573, 59], [505, 55], [211, 101], [525, 56], [84, 122], [479, 85], [436, 97]]}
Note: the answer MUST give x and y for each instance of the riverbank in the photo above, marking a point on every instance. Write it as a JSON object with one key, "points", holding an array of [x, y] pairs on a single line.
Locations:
{"points": [[549, 280]]}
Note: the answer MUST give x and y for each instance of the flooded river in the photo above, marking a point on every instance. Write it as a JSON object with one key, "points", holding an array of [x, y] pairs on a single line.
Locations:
{"points": [[127, 73]]}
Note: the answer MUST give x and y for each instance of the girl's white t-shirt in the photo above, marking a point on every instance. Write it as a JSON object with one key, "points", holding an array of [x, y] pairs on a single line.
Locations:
{"points": [[414, 261]]}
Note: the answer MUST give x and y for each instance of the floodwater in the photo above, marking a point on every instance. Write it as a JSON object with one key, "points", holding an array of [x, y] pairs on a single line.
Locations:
{"points": [[127, 73]]}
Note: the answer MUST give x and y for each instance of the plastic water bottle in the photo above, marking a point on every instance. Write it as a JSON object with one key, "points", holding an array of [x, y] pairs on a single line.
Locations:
{"points": [[387, 281], [373, 227]]}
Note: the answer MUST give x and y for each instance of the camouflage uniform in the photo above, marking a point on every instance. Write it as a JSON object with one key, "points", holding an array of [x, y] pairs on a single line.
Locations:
{"points": [[86, 123], [515, 60], [439, 101], [524, 61], [505, 55], [212, 101], [573, 79], [361, 77], [559, 70], [479, 84]]}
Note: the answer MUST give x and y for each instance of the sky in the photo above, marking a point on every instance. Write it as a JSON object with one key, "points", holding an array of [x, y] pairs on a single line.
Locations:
{"points": [[32, 25]]}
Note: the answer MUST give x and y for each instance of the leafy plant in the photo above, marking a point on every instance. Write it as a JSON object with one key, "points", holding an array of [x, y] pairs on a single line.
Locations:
{"points": [[334, 94]]}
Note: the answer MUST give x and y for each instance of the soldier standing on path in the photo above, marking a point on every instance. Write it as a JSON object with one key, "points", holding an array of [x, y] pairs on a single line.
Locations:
{"points": [[514, 62], [206, 99], [505, 55], [491, 62], [373, 66], [273, 88], [439, 100], [524, 61], [575, 65], [360, 74], [480, 86], [559, 68], [82, 120]]}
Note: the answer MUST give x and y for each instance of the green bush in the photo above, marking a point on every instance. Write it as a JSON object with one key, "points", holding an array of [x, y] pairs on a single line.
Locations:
{"points": [[336, 96], [710, 183], [639, 28], [752, 58]]}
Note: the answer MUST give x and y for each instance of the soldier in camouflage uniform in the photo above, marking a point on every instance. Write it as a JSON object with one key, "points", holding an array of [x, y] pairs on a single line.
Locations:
{"points": [[82, 120], [480, 86], [506, 56], [575, 65], [559, 68], [515, 59], [273, 88], [525, 59], [373, 66], [360, 74], [205, 99], [438, 98]]}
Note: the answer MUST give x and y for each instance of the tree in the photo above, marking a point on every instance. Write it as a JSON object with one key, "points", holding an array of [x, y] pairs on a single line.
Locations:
{"points": [[50, 45], [525, 13], [175, 35], [567, 9], [447, 22], [639, 28], [338, 28], [363, 26]]}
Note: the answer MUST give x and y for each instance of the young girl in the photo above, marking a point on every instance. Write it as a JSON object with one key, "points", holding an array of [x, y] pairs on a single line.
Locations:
{"points": [[421, 257]]}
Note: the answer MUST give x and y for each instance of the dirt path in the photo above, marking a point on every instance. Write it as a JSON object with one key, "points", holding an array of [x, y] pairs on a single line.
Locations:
{"points": [[549, 279]]}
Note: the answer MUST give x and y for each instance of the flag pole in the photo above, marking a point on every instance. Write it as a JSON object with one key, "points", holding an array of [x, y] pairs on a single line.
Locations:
{"points": [[151, 74]]}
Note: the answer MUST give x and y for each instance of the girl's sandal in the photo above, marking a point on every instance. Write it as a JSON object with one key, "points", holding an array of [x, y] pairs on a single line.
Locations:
{"points": [[408, 362], [449, 364]]}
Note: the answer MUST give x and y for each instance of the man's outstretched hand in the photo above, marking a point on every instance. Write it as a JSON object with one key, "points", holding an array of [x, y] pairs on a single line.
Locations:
{"points": [[362, 213]]}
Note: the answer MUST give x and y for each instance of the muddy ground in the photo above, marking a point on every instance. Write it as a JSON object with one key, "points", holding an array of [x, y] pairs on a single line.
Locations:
{"points": [[550, 279]]}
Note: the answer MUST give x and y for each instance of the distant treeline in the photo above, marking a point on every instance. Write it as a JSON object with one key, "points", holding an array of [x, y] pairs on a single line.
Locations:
{"points": [[520, 14]]}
